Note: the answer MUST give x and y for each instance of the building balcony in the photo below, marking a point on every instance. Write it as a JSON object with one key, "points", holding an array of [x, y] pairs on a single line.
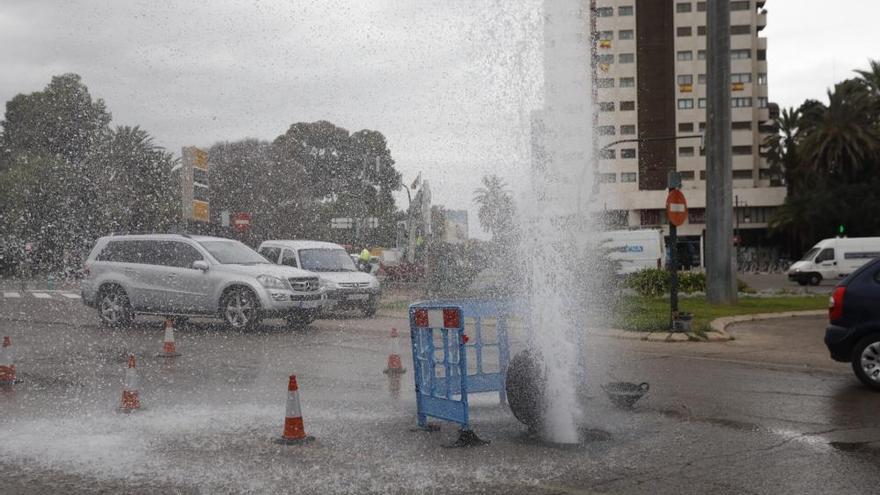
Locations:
{"points": [[761, 21]]}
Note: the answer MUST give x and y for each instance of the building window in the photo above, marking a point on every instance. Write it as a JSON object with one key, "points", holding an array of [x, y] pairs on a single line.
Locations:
{"points": [[608, 178], [625, 11], [685, 79], [628, 153], [701, 55], [627, 130], [741, 102], [762, 79], [684, 31], [741, 77], [740, 5], [650, 217], [605, 82], [741, 29], [683, 7], [606, 106], [697, 215], [702, 126], [628, 177], [626, 58], [686, 174], [701, 103], [742, 150], [701, 30], [606, 58], [762, 102], [745, 125], [604, 12], [606, 35], [606, 130], [686, 127], [626, 34], [702, 177], [627, 82], [701, 6], [762, 54], [685, 103], [686, 151], [740, 54], [684, 55], [743, 174], [627, 106], [607, 154], [701, 79]]}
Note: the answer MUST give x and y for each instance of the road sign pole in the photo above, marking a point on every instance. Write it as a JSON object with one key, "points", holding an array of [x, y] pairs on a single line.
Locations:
{"points": [[673, 274]]}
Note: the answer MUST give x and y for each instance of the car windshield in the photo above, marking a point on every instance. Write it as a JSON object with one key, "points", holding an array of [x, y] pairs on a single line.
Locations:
{"points": [[326, 260], [233, 253], [810, 254]]}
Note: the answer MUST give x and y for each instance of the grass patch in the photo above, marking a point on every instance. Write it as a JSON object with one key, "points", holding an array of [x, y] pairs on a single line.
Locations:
{"points": [[651, 314]]}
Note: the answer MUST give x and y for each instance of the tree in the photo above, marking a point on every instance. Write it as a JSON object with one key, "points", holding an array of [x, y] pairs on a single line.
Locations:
{"points": [[841, 139], [871, 77], [347, 175], [496, 209], [62, 120]]}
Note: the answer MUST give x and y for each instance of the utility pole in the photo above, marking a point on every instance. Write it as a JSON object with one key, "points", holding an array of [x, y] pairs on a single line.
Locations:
{"points": [[720, 274]]}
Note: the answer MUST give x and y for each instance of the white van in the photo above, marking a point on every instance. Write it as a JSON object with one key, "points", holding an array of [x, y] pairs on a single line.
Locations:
{"points": [[346, 286], [834, 259], [634, 249]]}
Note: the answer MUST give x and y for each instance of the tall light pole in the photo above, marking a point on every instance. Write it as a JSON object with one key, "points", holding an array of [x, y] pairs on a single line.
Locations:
{"points": [[720, 273]]}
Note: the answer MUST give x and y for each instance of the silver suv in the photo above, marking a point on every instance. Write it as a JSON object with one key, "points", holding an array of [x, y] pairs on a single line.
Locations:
{"points": [[182, 275]]}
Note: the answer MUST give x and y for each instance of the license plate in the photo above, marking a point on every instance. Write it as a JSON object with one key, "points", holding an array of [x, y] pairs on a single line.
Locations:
{"points": [[311, 304], [358, 297]]}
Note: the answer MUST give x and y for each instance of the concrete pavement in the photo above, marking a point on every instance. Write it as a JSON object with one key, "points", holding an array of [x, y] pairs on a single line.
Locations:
{"points": [[766, 413]]}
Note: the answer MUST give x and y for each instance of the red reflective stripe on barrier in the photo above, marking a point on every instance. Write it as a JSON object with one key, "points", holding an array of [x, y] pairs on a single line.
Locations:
{"points": [[421, 318], [450, 318], [291, 385]]}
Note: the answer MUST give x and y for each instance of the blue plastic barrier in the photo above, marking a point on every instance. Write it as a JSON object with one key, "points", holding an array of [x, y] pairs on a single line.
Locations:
{"points": [[440, 349]]}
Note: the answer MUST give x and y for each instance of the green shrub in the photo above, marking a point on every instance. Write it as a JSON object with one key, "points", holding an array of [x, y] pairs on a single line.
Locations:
{"points": [[653, 282], [650, 282]]}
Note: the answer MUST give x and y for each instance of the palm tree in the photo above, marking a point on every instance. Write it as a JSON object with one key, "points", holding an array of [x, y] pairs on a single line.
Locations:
{"points": [[782, 153], [871, 77], [496, 206], [841, 139]]}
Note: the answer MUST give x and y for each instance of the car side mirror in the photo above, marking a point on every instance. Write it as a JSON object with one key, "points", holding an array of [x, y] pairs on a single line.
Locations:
{"points": [[200, 265]]}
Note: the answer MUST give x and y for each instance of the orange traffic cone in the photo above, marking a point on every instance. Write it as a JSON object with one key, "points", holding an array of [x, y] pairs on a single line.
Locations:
{"points": [[130, 397], [7, 362], [394, 363], [294, 431], [169, 349]]}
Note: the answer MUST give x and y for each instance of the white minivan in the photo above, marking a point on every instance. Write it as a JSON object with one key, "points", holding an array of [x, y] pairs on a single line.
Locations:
{"points": [[834, 259], [634, 250], [346, 286]]}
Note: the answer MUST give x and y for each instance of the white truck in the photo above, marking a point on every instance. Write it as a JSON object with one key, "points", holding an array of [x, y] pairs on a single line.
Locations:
{"points": [[634, 250], [834, 259]]}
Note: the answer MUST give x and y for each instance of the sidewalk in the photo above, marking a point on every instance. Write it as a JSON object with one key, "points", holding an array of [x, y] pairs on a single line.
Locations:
{"points": [[41, 283]]}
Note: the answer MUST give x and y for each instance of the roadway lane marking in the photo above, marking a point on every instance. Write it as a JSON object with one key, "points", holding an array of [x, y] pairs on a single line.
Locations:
{"points": [[11, 295], [70, 295], [41, 295]]}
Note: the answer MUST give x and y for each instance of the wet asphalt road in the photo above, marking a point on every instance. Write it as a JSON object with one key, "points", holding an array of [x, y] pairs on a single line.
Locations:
{"points": [[766, 413]]}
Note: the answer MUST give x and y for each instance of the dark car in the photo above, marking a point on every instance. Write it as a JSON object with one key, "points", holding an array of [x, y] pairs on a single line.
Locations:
{"points": [[853, 334]]}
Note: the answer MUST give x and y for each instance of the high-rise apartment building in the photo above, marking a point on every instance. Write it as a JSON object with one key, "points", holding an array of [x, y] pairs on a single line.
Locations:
{"points": [[651, 89]]}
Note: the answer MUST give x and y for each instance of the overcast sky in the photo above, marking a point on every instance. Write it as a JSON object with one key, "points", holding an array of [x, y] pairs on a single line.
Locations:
{"points": [[450, 83]]}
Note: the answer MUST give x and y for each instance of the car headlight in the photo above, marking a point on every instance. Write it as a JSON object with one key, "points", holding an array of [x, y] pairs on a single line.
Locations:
{"points": [[374, 283], [270, 282]]}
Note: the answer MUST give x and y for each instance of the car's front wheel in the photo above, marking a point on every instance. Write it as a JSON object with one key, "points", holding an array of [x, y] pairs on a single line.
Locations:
{"points": [[866, 361], [815, 279], [114, 306], [240, 309]]}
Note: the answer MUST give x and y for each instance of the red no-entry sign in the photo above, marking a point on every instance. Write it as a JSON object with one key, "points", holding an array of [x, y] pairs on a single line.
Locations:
{"points": [[241, 221], [676, 208]]}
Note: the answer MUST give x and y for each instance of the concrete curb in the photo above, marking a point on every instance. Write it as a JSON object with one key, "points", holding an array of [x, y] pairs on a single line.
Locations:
{"points": [[718, 332]]}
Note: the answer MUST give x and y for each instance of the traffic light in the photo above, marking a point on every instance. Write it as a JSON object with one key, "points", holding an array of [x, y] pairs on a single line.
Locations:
{"points": [[840, 230]]}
